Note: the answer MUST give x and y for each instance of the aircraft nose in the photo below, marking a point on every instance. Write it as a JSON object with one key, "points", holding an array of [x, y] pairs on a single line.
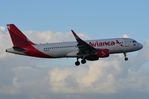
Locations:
{"points": [[140, 46]]}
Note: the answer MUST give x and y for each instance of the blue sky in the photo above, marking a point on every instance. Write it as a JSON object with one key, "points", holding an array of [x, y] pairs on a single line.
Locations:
{"points": [[51, 20], [98, 18]]}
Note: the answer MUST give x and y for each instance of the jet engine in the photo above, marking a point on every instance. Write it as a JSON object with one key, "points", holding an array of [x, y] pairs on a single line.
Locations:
{"points": [[103, 53]]}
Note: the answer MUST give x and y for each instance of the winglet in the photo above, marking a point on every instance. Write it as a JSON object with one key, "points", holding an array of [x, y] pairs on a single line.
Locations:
{"points": [[76, 36], [82, 45]]}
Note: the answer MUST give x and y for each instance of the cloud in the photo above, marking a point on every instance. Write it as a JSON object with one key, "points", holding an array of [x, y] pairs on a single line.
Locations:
{"points": [[2, 29], [4, 43], [49, 36], [104, 77], [39, 78], [125, 36]]}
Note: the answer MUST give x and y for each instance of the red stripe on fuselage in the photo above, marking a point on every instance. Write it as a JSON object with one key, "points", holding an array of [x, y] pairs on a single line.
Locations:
{"points": [[32, 51]]}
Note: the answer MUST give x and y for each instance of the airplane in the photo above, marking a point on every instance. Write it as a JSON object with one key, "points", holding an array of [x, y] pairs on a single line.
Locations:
{"points": [[90, 50]]}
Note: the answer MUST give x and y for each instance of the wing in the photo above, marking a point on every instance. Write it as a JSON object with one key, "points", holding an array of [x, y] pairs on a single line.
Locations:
{"points": [[84, 48]]}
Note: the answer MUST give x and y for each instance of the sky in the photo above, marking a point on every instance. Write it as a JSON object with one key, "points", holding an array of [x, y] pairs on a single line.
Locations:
{"points": [[51, 21]]}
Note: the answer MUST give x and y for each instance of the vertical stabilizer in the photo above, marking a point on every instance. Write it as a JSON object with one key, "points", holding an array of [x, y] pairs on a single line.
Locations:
{"points": [[17, 37]]}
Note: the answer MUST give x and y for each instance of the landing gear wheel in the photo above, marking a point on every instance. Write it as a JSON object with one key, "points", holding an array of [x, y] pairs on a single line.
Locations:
{"points": [[126, 59], [83, 61], [77, 63]]}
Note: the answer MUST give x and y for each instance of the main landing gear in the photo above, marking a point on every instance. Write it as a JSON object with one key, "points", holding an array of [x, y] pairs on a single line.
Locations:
{"points": [[126, 58], [77, 63], [83, 61]]}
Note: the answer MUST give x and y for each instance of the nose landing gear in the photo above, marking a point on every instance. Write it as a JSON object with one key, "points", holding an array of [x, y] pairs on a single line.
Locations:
{"points": [[126, 58]]}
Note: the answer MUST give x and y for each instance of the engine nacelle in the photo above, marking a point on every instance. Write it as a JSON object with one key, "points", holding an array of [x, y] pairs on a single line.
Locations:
{"points": [[103, 53]]}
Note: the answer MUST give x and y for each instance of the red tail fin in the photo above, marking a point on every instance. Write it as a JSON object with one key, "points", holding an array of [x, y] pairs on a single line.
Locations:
{"points": [[17, 37]]}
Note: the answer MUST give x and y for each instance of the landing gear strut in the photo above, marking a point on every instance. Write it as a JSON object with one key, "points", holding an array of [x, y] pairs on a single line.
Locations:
{"points": [[125, 55]]}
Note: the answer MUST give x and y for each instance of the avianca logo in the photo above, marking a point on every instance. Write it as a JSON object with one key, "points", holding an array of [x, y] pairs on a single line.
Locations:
{"points": [[106, 43]]}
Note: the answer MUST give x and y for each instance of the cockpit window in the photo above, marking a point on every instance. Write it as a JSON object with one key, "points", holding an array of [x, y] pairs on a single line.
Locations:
{"points": [[134, 41]]}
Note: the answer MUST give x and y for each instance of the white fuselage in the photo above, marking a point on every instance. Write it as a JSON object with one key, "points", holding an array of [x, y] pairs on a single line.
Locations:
{"points": [[70, 49]]}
